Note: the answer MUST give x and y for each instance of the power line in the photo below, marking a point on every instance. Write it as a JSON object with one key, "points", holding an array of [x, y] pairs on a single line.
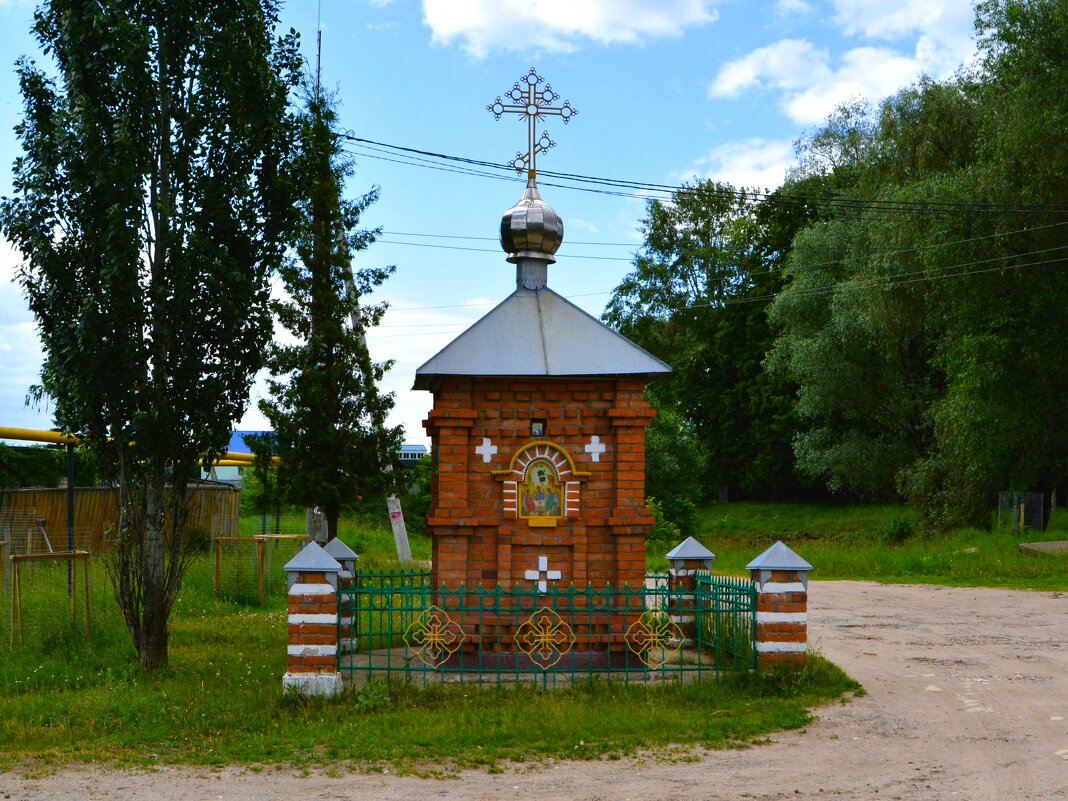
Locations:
{"points": [[492, 250], [847, 204], [883, 282], [495, 239], [748, 274]]}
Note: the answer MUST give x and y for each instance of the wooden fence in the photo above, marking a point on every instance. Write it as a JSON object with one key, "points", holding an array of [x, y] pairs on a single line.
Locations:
{"points": [[94, 509]]}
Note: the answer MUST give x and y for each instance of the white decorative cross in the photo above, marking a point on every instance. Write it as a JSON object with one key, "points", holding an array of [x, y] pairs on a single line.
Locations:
{"points": [[486, 450], [542, 575], [595, 448]]}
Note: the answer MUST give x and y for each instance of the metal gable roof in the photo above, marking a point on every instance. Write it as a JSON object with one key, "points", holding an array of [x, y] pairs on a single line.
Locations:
{"points": [[536, 332]]}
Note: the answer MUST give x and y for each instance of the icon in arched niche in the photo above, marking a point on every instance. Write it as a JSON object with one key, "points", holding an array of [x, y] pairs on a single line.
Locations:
{"points": [[540, 491], [541, 484]]}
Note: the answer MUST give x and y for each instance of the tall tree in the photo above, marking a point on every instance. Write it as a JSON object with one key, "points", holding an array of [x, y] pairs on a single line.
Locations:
{"points": [[926, 328], [856, 326], [697, 298], [328, 415], [150, 214], [1003, 423]]}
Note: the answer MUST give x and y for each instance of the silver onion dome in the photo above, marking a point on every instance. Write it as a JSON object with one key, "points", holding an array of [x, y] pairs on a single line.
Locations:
{"points": [[531, 229]]}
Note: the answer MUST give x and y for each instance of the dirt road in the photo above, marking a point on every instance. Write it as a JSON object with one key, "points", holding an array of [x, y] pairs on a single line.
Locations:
{"points": [[967, 701]]}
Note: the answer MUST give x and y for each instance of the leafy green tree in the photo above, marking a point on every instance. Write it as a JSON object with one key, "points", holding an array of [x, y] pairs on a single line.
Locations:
{"points": [[40, 466], [857, 327], [328, 415], [674, 465], [1002, 424], [149, 210], [697, 298], [926, 328]]}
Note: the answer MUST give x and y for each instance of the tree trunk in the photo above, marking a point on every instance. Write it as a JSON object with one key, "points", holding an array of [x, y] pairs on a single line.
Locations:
{"points": [[152, 645]]}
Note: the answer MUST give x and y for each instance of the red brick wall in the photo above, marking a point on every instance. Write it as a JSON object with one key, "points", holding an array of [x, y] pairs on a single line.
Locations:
{"points": [[475, 542]]}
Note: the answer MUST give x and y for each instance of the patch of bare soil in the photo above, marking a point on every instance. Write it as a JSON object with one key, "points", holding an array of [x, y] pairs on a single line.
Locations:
{"points": [[967, 700]]}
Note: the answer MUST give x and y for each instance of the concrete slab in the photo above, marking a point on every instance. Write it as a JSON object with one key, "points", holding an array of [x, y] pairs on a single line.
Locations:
{"points": [[1055, 547]]}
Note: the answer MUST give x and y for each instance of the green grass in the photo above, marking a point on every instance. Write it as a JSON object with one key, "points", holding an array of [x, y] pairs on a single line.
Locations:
{"points": [[220, 701], [367, 532], [879, 543]]}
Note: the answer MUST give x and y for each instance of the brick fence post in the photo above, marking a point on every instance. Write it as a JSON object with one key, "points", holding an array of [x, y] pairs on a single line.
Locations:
{"points": [[684, 560], [780, 577], [312, 665], [345, 580]]}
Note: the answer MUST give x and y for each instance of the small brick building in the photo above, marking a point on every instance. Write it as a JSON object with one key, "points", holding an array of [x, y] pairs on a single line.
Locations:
{"points": [[538, 431]]}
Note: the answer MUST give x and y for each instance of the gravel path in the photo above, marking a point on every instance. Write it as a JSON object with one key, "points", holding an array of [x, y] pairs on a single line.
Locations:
{"points": [[967, 700]]}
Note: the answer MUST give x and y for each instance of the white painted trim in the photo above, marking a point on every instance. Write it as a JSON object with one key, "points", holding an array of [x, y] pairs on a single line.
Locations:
{"points": [[324, 684], [781, 617], [346, 621], [780, 588], [296, 620], [683, 618], [311, 650], [312, 589], [781, 647]]}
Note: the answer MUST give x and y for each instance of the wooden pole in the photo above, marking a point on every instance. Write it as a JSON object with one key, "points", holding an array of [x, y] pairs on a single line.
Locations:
{"points": [[260, 577], [70, 519], [16, 601], [85, 582], [218, 568]]}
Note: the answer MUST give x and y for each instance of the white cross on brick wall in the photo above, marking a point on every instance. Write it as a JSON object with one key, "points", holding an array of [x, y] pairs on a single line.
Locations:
{"points": [[542, 575], [487, 450], [595, 448]]}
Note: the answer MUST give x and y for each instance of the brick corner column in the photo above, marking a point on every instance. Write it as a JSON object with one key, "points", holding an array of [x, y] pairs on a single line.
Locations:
{"points": [[311, 668], [685, 560], [780, 578]]}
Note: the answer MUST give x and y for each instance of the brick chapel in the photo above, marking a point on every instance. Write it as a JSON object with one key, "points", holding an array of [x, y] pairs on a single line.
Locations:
{"points": [[538, 430]]}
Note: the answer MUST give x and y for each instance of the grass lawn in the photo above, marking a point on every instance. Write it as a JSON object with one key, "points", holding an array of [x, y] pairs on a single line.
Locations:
{"points": [[220, 701], [878, 543]]}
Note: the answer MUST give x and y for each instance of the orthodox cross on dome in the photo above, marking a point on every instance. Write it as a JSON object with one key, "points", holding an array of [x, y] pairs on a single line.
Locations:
{"points": [[532, 102]]}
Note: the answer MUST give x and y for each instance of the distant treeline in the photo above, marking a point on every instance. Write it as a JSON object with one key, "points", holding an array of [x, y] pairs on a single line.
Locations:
{"points": [[39, 466], [891, 322]]}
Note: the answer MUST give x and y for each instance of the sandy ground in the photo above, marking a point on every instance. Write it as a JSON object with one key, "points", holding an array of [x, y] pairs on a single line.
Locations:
{"points": [[967, 699]]}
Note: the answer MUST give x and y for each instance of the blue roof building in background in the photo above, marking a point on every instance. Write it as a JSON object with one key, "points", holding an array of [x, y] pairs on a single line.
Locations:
{"points": [[409, 456]]}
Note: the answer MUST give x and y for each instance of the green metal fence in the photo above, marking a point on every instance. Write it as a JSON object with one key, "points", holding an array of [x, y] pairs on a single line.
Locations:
{"points": [[398, 625]]}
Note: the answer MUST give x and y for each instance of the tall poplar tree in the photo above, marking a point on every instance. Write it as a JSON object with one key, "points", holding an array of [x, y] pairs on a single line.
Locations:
{"points": [[150, 214], [328, 415]]}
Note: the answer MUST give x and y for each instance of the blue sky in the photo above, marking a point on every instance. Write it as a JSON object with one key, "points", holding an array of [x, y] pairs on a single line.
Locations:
{"points": [[666, 91]]}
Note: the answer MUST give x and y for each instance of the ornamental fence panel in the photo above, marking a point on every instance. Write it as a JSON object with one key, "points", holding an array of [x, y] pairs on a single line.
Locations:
{"points": [[398, 625]]}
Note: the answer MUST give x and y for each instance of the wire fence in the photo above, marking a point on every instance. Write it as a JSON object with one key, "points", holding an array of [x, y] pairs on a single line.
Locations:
{"points": [[1020, 511], [248, 553]]}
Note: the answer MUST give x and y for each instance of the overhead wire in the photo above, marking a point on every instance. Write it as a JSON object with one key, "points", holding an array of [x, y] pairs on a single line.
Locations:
{"points": [[417, 155], [863, 208], [884, 254]]}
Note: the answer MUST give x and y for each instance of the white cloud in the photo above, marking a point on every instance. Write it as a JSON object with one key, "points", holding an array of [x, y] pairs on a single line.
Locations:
{"points": [[20, 349], [751, 163], [878, 19], [789, 8], [484, 26], [917, 37], [867, 72], [582, 225], [787, 64]]}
